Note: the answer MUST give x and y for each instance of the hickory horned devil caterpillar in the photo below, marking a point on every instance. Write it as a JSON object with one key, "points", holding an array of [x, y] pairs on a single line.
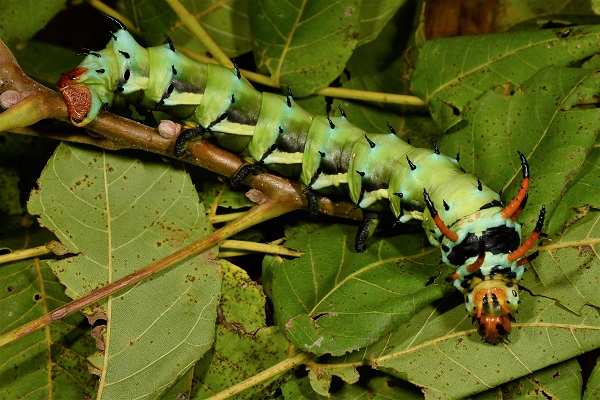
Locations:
{"points": [[335, 157]]}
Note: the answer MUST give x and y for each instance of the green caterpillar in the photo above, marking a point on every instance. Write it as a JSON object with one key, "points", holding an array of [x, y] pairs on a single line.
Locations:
{"points": [[378, 172]]}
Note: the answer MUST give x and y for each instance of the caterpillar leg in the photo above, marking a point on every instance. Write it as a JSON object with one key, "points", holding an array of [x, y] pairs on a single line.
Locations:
{"points": [[244, 172], [185, 137], [365, 230], [251, 169], [313, 202]]}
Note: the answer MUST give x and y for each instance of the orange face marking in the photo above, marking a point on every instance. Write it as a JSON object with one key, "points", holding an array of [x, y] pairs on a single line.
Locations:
{"points": [[494, 330]]}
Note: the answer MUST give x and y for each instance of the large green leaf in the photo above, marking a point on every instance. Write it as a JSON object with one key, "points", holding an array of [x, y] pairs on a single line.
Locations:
{"points": [[451, 73], [21, 20], [244, 344], [334, 301], [225, 21], [304, 43], [51, 361], [119, 214]]}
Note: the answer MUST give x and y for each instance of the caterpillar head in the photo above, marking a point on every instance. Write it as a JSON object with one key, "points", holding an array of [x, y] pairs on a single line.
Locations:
{"points": [[492, 304]]}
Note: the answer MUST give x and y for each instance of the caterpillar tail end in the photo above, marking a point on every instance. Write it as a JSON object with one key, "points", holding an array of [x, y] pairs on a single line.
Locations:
{"points": [[78, 97]]}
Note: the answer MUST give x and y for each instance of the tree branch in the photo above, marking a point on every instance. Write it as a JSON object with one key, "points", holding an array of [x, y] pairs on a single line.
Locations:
{"points": [[36, 102]]}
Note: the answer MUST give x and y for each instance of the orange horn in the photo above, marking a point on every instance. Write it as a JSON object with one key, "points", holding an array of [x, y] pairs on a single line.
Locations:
{"points": [[447, 232], [480, 258], [520, 252], [516, 202]]}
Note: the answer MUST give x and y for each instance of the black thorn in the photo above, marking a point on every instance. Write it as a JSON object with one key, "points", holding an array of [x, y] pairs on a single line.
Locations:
{"points": [[101, 70], [170, 43], [410, 164], [289, 96], [170, 89], [361, 173], [280, 130], [436, 150], [391, 128], [237, 70], [524, 201], [232, 98], [482, 252], [371, 143], [342, 111], [118, 23], [113, 35], [458, 156], [479, 185], [322, 154], [429, 204], [125, 54], [400, 215], [401, 195], [446, 206], [331, 124], [524, 165], [126, 75], [540, 223], [356, 207], [408, 140], [86, 52], [533, 256], [173, 70]]}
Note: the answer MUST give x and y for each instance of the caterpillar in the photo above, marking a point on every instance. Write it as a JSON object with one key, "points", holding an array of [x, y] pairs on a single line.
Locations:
{"points": [[476, 233]]}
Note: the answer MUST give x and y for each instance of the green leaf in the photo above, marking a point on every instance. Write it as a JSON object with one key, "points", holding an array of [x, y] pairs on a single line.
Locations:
{"points": [[244, 344], [440, 350], [583, 195], [374, 15], [561, 381], [451, 73], [20, 20], [225, 22], [335, 301], [138, 212], [51, 360], [567, 268], [592, 390], [304, 43]]}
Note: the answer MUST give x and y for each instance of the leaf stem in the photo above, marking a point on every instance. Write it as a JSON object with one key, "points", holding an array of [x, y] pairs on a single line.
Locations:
{"points": [[198, 31], [277, 369], [38, 251], [259, 247]]}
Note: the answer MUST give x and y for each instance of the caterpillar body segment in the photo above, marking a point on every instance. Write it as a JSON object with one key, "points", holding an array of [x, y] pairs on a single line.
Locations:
{"points": [[379, 172]]}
